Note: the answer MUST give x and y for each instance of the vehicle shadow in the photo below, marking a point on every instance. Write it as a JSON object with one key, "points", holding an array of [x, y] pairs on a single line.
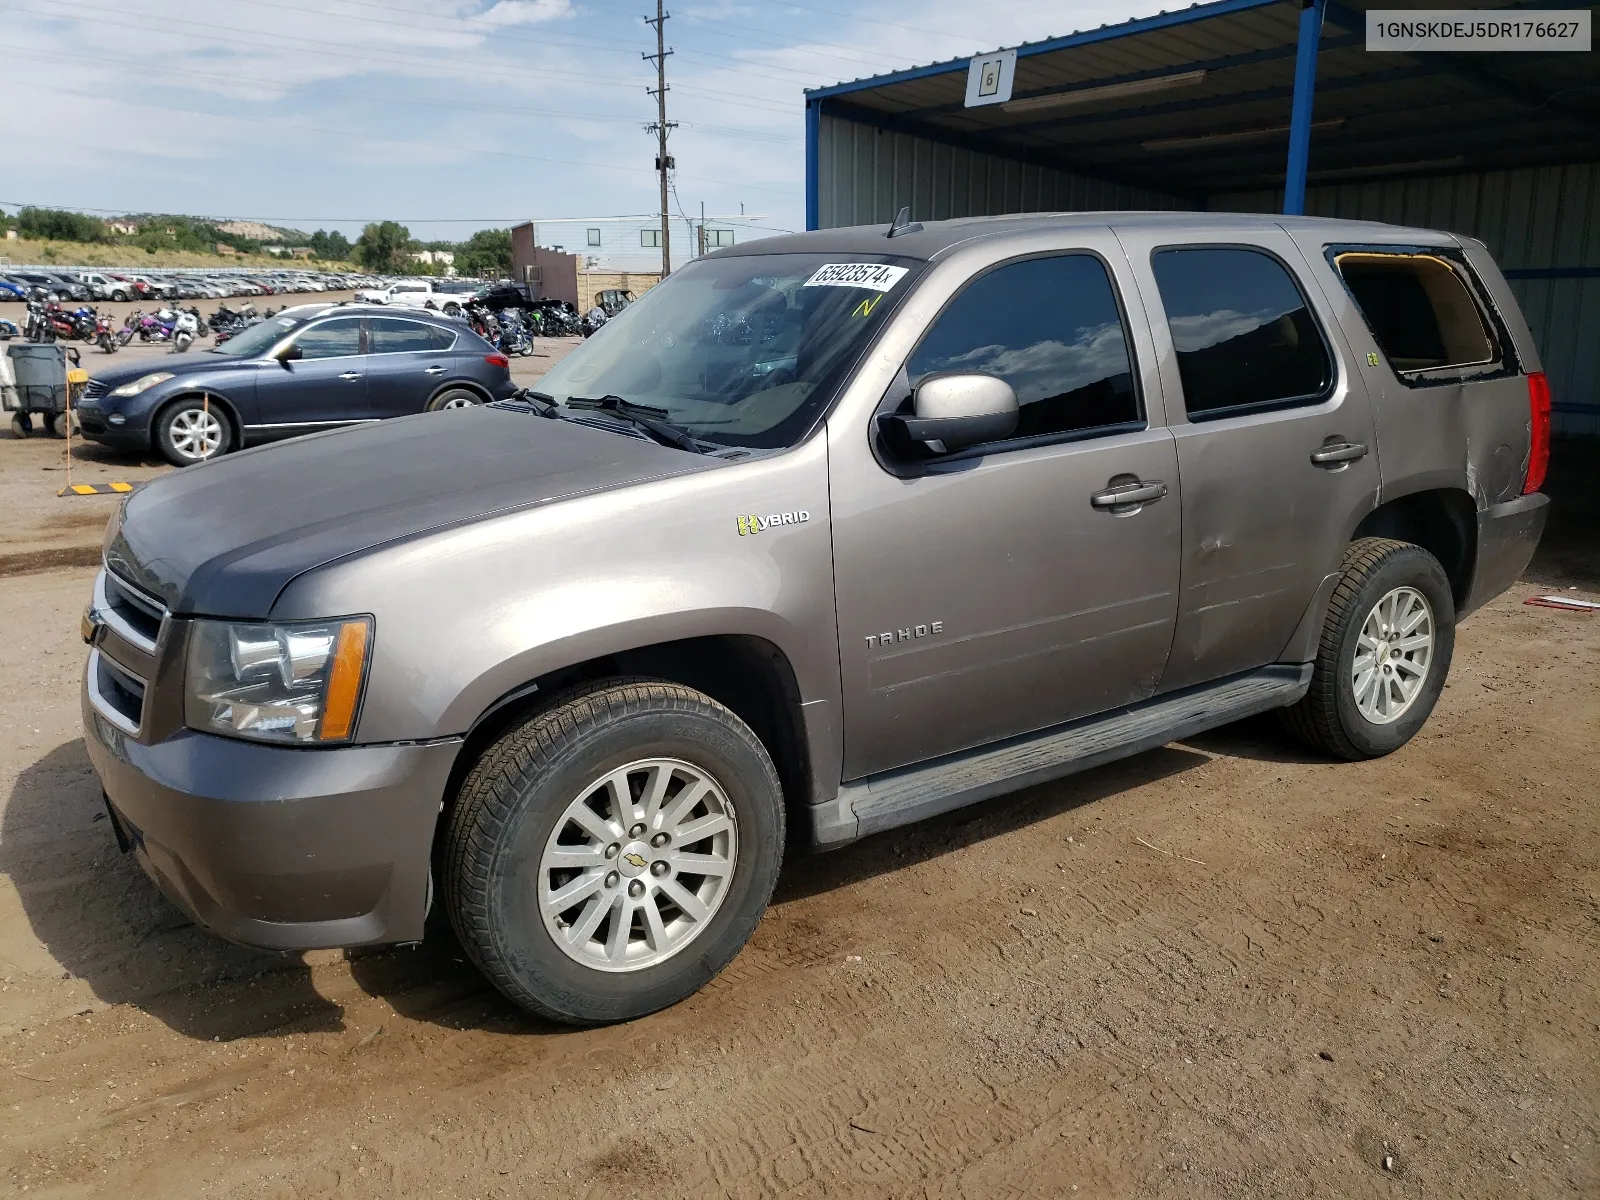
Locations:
{"points": [[106, 923]]}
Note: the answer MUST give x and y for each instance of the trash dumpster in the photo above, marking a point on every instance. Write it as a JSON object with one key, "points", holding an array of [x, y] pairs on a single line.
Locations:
{"points": [[42, 386]]}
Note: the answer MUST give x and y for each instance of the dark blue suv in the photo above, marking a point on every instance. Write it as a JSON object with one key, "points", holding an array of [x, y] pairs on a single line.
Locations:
{"points": [[315, 367]]}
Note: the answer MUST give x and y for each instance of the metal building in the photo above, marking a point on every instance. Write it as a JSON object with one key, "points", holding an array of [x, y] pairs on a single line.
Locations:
{"points": [[1259, 106]]}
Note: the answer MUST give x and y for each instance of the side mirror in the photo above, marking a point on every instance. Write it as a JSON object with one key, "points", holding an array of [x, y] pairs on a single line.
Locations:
{"points": [[957, 410], [289, 353]]}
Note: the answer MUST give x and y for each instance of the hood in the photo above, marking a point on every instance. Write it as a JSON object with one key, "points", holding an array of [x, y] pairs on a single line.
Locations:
{"points": [[224, 539], [117, 374]]}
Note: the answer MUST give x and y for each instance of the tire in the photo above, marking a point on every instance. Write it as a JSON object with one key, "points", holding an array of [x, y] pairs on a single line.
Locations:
{"points": [[21, 425], [1331, 717], [56, 424], [517, 800], [452, 310], [120, 297], [179, 428], [455, 397]]}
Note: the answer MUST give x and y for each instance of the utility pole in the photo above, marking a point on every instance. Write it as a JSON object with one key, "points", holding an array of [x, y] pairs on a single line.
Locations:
{"points": [[702, 247], [661, 128]]}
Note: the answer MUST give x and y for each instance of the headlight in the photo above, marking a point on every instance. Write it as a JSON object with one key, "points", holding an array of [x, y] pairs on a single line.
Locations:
{"points": [[296, 683], [143, 384]]}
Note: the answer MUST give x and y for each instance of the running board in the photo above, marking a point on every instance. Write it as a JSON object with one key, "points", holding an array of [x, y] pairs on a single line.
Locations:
{"points": [[909, 794]]}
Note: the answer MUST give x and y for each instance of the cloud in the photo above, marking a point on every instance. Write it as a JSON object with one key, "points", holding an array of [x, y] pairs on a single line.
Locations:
{"points": [[525, 12]]}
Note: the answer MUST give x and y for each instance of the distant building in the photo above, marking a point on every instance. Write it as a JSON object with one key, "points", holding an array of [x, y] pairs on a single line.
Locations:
{"points": [[126, 228], [444, 257], [614, 252]]}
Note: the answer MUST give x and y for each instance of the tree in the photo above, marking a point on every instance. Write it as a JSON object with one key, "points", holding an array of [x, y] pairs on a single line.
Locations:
{"points": [[331, 245], [382, 247], [61, 226], [488, 249]]}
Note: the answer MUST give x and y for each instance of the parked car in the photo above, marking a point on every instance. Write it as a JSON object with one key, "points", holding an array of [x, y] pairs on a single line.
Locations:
{"points": [[10, 290], [824, 534], [308, 368], [407, 293]]}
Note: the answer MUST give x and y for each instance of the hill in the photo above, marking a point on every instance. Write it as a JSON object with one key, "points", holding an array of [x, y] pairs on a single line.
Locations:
{"points": [[102, 254]]}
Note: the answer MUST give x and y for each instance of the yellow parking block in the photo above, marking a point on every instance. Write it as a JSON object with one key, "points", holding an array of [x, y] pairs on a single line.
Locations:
{"points": [[95, 489]]}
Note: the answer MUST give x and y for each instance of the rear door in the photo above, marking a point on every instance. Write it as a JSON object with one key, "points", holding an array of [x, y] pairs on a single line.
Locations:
{"points": [[406, 362], [325, 385], [1274, 437]]}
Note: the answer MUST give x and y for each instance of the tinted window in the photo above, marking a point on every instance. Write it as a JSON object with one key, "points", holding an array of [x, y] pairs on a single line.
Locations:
{"points": [[331, 339], [1242, 330], [388, 336], [1419, 310], [1050, 327]]}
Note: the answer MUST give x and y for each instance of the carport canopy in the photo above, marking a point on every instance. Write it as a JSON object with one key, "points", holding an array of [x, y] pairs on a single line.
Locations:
{"points": [[1244, 95]]}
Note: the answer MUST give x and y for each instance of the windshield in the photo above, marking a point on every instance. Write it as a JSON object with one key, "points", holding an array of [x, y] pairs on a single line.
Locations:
{"points": [[743, 351], [255, 339]]}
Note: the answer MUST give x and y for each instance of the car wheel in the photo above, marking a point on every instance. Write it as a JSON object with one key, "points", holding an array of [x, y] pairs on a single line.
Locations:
{"points": [[452, 310], [454, 398], [190, 432], [1385, 651], [653, 821], [120, 297]]}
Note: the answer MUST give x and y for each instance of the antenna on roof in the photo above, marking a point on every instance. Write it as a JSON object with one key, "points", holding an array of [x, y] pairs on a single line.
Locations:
{"points": [[902, 223]]}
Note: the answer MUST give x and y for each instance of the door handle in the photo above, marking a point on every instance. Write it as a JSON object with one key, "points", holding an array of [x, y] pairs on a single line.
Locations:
{"points": [[351, 375], [1335, 456], [434, 371], [1127, 496]]}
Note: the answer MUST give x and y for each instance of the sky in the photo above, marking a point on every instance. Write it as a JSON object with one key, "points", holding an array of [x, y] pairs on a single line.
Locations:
{"points": [[451, 115]]}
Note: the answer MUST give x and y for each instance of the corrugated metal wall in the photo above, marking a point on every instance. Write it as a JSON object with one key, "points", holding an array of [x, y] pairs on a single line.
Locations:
{"points": [[1530, 219], [865, 175]]}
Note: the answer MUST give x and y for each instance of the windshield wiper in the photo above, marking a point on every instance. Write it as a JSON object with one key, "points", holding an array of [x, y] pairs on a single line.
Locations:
{"points": [[642, 417], [527, 396]]}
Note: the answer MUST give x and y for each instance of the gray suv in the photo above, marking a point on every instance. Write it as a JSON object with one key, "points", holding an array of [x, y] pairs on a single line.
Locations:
{"points": [[826, 534]]}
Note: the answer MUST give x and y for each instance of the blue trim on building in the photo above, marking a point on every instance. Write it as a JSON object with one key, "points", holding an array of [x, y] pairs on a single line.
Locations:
{"points": [[813, 148], [1199, 12], [1552, 273], [1305, 91]]}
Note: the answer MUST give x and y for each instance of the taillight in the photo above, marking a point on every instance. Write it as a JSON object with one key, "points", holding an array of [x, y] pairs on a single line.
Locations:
{"points": [[1539, 422], [500, 360]]}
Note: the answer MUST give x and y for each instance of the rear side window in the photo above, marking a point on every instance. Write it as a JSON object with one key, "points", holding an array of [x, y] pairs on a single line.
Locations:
{"points": [[1051, 328], [1419, 309], [389, 336], [1243, 331]]}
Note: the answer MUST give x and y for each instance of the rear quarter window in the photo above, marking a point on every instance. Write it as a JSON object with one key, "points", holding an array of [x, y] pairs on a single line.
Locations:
{"points": [[1420, 309]]}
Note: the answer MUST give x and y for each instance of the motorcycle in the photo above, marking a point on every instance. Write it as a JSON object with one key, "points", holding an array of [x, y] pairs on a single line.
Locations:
{"points": [[593, 320], [8, 330], [36, 326], [105, 336], [514, 335], [185, 326], [130, 326]]}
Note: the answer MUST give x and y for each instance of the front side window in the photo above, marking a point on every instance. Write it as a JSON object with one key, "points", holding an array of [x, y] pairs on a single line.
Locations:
{"points": [[1419, 310], [1051, 328], [331, 339], [745, 351], [1243, 331], [385, 335]]}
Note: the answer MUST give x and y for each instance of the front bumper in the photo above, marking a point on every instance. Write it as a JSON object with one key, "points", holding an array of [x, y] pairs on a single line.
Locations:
{"points": [[134, 433], [1508, 534], [277, 847]]}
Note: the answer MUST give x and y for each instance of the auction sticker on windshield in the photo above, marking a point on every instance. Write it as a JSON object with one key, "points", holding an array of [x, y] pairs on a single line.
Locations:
{"points": [[880, 277]]}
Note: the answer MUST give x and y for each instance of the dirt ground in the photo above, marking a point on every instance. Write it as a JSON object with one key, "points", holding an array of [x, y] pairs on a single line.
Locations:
{"points": [[1220, 969]]}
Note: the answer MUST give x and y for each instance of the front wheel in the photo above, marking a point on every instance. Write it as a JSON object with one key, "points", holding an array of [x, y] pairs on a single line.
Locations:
{"points": [[1385, 651], [610, 855], [191, 431]]}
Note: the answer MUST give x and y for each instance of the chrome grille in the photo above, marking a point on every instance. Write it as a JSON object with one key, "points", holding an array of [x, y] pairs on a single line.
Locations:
{"points": [[129, 611]]}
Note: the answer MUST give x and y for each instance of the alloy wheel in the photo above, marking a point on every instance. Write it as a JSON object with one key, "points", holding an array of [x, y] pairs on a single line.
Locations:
{"points": [[638, 864], [1393, 652], [196, 433]]}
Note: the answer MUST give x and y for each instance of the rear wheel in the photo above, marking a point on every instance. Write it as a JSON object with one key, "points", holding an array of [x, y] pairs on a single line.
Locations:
{"points": [[190, 431], [1385, 651], [454, 398], [608, 857], [56, 423]]}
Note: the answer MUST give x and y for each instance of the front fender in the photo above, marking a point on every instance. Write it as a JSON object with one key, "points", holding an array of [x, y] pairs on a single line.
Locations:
{"points": [[466, 615]]}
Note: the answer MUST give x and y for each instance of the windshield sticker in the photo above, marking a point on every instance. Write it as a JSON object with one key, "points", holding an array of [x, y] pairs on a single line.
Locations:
{"points": [[880, 277]]}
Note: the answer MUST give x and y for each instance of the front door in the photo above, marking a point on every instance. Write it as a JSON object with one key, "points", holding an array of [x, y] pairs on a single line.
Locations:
{"points": [[1001, 592], [324, 383], [1275, 440]]}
